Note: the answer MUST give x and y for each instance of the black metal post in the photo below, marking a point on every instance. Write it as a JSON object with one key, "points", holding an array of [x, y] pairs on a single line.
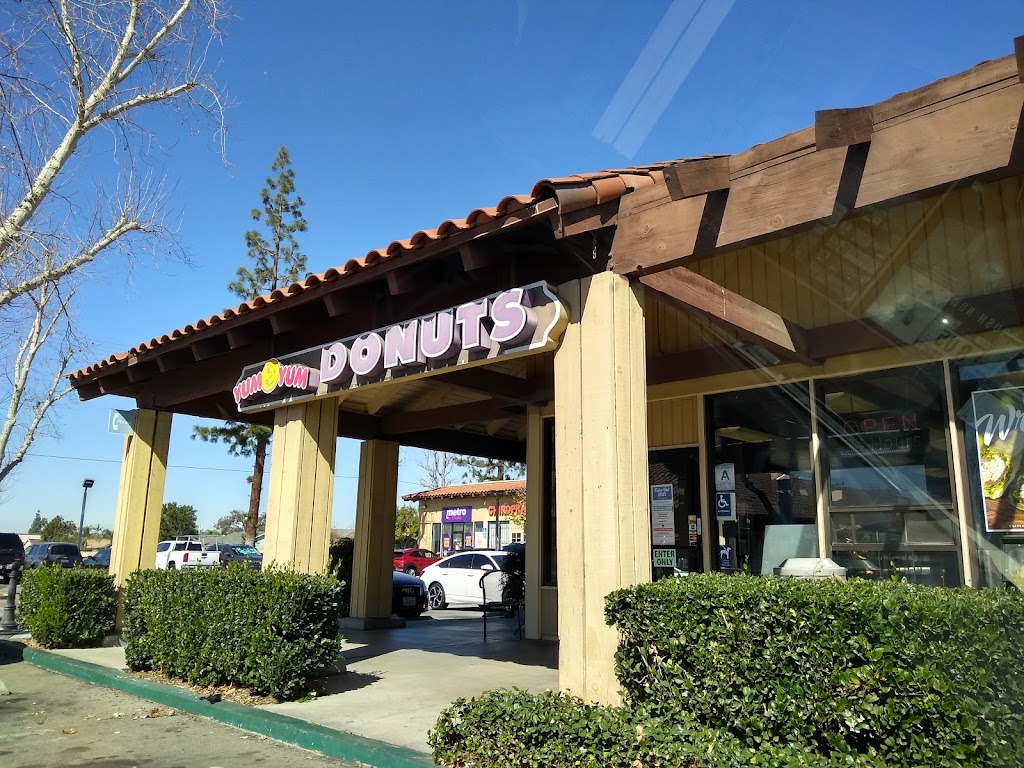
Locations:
{"points": [[9, 622], [86, 485]]}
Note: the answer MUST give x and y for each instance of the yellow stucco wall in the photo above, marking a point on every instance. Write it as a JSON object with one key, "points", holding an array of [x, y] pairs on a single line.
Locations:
{"points": [[430, 511]]}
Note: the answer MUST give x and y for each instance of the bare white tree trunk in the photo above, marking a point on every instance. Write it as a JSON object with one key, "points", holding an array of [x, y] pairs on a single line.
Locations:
{"points": [[30, 399], [75, 78]]}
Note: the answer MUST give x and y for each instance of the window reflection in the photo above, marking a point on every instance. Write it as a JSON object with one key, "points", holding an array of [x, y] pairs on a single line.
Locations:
{"points": [[889, 491], [762, 463]]}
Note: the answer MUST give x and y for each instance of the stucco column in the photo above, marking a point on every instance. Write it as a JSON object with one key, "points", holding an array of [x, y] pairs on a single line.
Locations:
{"points": [[375, 530], [601, 474], [534, 524], [301, 493], [140, 497]]}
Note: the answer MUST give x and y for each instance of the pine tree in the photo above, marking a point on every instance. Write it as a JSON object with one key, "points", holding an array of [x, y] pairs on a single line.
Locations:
{"points": [[38, 523], [276, 261], [480, 470]]}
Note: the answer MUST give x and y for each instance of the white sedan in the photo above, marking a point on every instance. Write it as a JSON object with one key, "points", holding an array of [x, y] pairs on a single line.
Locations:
{"points": [[455, 580]]}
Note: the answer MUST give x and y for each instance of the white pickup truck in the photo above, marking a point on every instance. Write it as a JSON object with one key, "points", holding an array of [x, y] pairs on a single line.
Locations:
{"points": [[184, 553]]}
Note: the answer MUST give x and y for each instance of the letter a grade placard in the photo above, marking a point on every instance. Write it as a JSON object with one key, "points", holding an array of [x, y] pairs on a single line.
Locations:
{"points": [[506, 324]]}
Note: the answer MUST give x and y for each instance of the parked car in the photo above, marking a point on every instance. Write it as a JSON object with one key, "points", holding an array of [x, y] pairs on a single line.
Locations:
{"points": [[413, 560], [237, 553], [184, 553], [99, 559], [408, 594], [12, 551], [455, 580], [47, 553]]}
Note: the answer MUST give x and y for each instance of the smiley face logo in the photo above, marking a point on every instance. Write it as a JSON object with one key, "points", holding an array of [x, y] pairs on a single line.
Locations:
{"points": [[271, 376]]}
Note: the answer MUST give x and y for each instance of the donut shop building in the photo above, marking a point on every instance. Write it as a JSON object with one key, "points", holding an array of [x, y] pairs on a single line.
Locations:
{"points": [[813, 348]]}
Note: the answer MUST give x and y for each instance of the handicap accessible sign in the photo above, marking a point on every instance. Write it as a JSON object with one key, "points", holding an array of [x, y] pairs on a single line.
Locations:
{"points": [[725, 506]]}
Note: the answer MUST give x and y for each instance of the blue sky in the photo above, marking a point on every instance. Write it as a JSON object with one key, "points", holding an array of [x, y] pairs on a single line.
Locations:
{"points": [[399, 115]]}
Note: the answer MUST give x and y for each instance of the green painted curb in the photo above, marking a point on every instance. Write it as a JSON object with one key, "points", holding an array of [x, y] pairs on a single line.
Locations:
{"points": [[291, 730]]}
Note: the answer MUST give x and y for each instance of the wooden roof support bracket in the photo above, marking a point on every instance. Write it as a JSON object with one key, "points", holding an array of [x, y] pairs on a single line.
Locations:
{"points": [[696, 294], [477, 254], [842, 127], [697, 177]]}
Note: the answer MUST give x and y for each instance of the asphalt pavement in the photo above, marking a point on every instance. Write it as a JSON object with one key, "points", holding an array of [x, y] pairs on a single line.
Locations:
{"points": [[50, 720]]}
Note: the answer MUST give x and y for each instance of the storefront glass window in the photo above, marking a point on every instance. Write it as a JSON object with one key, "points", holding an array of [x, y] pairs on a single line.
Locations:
{"points": [[762, 480], [549, 550], [679, 469], [888, 486], [990, 406]]}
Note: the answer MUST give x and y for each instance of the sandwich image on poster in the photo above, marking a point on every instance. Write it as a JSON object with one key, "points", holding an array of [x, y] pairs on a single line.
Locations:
{"points": [[999, 427]]}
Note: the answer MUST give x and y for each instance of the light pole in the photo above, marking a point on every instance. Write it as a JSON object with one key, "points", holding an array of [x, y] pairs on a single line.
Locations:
{"points": [[497, 520], [86, 485]]}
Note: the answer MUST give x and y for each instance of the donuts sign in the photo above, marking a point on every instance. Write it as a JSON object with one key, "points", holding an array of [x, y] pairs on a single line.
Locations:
{"points": [[506, 324]]}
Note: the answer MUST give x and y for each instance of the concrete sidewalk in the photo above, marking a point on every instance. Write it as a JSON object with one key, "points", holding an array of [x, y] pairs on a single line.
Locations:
{"points": [[399, 680]]}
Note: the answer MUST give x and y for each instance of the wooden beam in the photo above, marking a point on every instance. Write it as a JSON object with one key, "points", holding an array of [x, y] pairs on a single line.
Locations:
{"points": [[173, 360], [383, 395], [585, 220], [203, 379], [1018, 53], [478, 254], [244, 335], [358, 426], [446, 416], [495, 426], [451, 441], [495, 384], [697, 295], [697, 177], [961, 141], [695, 364], [210, 346], [842, 127], [979, 136], [141, 370], [402, 281]]}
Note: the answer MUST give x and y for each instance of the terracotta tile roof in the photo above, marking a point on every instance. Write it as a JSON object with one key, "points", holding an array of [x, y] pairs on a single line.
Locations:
{"points": [[570, 193], [502, 487]]}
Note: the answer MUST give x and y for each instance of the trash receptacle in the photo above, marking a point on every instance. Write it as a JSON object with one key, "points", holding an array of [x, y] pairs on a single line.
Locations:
{"points": [[811, 568]]}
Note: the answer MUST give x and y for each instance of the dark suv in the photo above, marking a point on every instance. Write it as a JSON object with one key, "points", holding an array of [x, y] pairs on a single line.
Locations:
{"points": [[47, 553], [11, 551]]}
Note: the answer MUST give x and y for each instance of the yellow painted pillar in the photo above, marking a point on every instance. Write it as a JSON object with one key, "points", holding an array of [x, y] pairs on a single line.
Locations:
{"points": [[301, 493], [140, 497], [375, 530], [603, 524], [534, 527]]}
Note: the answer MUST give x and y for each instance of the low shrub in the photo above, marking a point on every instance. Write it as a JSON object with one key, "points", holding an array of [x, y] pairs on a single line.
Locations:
{"points": [[67, 607], [514, 729], [267, 631], [918, 675], [340, 558]]}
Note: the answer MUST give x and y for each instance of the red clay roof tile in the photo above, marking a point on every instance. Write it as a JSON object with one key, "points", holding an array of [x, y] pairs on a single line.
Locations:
{"points": [[499, 487], [570, 192]]}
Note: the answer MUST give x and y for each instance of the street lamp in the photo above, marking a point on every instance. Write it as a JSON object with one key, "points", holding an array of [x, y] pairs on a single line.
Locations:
{"points": [[86, 485]]}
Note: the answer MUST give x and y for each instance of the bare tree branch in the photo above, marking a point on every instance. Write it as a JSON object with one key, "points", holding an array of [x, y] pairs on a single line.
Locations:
{"points": [[40, 331], [78, 183]]}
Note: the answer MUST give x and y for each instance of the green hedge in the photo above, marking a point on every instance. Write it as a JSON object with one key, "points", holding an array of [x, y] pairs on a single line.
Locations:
{"points": [[265, 630], [922, 675], [67, 607], [514, 729]]}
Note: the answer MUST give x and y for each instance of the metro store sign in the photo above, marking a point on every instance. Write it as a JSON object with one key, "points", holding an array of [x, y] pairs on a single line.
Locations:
{"points": [[503, 325]]}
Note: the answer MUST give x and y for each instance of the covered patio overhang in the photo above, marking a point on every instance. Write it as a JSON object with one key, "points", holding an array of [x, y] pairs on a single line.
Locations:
{"points": [[777, 259]]}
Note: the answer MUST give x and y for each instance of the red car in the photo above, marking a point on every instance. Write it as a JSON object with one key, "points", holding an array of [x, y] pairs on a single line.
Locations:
{"points": [[413, 561]]}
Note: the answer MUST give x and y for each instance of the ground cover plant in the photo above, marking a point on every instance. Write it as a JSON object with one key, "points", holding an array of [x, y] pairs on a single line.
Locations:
{"points": [[67, 607], [267, 631], [730, 670]]}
